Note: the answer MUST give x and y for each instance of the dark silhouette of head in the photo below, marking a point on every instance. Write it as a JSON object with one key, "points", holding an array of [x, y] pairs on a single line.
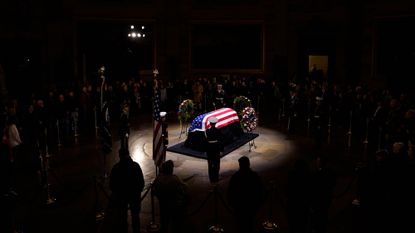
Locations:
{"points": [[123, 153], [167, 167], [244, 163], [213, 121]]}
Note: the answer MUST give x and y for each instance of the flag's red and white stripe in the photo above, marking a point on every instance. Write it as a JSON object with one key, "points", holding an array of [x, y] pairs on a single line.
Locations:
{"points": [[158, 147], [225, 116], [158, 153]]}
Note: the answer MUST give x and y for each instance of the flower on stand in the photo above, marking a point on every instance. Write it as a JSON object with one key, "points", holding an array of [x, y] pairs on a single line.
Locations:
{"points": [[240, 103], [186, 111], [249, 119]]}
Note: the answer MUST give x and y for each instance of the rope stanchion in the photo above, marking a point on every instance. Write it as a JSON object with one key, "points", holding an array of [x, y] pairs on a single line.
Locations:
{"points": [[75, 125], [349, 133], [99, 212], [44, 168], [308, 117], [216, 227], [201, 205], [268, 225], [47, 155], [366, 141], [329, 127], [58, 133], [152, 226], [96, 122]]}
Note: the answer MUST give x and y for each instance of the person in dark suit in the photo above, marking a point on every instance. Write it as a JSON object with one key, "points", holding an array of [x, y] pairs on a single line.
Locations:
{"points": [[245, 195], [126, 184], [214, 149], [172, 194]]}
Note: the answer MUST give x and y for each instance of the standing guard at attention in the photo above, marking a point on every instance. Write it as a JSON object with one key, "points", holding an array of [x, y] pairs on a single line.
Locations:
{"points": [[214, 149]]}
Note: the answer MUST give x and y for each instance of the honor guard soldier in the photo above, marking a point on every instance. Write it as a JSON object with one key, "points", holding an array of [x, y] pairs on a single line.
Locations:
{"points": [[164, 133], [214, 149]]}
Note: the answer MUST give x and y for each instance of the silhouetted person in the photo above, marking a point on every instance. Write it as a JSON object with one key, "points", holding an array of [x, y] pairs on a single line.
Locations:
{"points": [[7, 194], [214, 149], [172, 195], [298, 192], [245, 195], [126, 184]]}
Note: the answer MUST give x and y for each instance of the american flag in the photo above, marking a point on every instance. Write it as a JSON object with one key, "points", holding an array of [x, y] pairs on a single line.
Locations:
{"points": [[226, 116], [158, 153]]}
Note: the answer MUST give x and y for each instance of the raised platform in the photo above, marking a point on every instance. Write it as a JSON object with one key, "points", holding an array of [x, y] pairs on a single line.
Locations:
{"points": [[180, 148]]}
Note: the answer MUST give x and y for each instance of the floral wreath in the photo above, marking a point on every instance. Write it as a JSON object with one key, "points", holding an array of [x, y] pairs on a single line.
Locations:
{"points": [[186, 110], [249, 119], [240, 103]]}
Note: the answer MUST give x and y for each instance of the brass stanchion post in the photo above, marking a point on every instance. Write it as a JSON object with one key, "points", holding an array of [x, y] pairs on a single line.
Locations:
{"points": [[75, 122], [58, 132], [44, 167], [366, 141], [308, 118], [100, 214], [329, 127], [268, 225], [96, 122], [349, 133], [216, 227], [47, 155], [152, 226]]}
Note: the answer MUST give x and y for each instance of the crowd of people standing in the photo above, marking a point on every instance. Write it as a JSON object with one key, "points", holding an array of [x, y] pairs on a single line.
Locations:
{"points": [[34, 123]]}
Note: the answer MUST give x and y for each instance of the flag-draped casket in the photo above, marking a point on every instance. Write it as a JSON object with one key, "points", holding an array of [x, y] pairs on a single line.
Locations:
{"points": [[228, 123]]}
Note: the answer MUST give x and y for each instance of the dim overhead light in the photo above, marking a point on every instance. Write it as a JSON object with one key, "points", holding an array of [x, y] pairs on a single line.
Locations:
{"points": [[132, 26]]}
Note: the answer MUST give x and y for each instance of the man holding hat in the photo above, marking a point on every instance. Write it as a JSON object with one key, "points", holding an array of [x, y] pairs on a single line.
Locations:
{"points": [[214, 149]]}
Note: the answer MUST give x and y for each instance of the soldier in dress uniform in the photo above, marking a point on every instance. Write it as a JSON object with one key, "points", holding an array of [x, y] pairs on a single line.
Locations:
{"points": [[214, 150]]}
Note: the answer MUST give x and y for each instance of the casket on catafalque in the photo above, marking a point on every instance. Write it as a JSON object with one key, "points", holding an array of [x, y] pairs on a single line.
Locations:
{"points": [[228, 123]]}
